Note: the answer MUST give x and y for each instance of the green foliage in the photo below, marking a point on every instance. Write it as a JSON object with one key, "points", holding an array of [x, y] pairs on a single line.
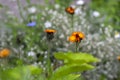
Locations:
{"points": [[69, 69], [76, 58], [24, 72], [64, 3], [110, 9], [67, 77], [28, 1], [1, 6], [74, 63]]}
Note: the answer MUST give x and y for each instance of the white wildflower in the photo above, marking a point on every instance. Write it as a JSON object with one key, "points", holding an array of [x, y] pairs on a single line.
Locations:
{"points": [[117, 35], [48, 24], [73, 6], [78, 11], [32, 9], [31, 53], [96, 14], [80, 2], [57, 6]]}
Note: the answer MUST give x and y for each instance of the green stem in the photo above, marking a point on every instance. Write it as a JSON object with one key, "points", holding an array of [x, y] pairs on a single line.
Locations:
{"points": [[19, 8], [72, 22], [19, 55], [76, 47], [48, 66]]}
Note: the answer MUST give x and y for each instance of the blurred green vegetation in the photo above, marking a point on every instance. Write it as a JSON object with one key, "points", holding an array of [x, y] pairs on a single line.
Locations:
{"points": [[110, 9]]}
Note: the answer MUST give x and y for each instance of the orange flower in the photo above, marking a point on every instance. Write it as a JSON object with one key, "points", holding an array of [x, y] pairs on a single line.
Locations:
{"points": [[4, 53], [50, 34], [50, 31], [70, 10], [76, 37], [80, 34], [118, 58]]}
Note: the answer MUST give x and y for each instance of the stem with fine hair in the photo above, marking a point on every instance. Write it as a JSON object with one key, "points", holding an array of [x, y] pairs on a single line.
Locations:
{"points": [[48, 66], [76, 47], [19, 8]]}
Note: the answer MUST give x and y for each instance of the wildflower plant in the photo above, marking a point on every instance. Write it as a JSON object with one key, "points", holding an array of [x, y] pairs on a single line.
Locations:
{"points": [[46, 40], [76, 37]]}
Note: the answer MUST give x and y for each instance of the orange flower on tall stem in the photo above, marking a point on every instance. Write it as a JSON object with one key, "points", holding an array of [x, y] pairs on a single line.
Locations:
{"points": [[76, 37], [50, 33], [70, 10], [4, 53], [50, 36]]}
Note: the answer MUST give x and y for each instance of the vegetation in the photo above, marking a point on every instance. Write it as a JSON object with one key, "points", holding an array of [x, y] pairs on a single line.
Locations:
{"points": [[64, 41]]}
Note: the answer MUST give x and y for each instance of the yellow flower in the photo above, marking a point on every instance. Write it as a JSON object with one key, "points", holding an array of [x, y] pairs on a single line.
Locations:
{"points": [[4, 53], [76, 37], [70, 10]]}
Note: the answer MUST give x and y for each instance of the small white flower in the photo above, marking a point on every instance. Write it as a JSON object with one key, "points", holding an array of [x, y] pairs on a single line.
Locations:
{"points": [[117, 35], [57, 6], [50, 11], [32, 9], [35, 64], [80, 2], [10, 12], [78, 11], [96, 14], [62, 36], [31, 53], [55, 13], [48, 24], [45, 56]]}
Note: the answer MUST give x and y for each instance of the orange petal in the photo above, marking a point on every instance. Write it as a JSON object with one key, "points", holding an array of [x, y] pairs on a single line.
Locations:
{"points": [[72, 38], [81, 35], [74, 33], [50, 30]]}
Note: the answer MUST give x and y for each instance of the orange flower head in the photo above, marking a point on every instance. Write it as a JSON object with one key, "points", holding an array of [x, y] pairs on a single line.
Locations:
{"points": [[118, 58], [50, 31], [4, 53], [70, 10], [50, 34], [76, 37], [80, 34]]}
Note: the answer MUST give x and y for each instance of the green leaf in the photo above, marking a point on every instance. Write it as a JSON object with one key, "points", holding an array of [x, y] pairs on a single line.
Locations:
{"points": [[28, 1], [1, 6], [70, 69], [69, 77], [16, 74], [24, 72], [35, 70], [78, 58]]}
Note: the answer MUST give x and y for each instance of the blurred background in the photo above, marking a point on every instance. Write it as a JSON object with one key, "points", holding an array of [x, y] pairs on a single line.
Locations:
{"points": [[22, 25]]}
